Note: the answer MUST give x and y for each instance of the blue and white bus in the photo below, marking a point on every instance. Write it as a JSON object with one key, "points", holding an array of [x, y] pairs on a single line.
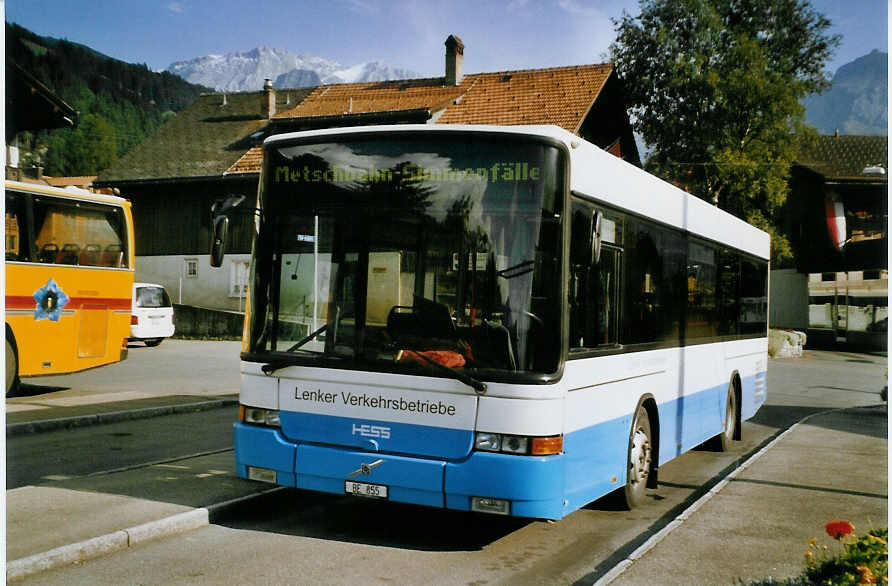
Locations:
{"points": [[497, 319]]}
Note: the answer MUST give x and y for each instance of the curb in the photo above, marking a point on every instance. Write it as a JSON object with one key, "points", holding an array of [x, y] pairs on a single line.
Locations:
{"points": [[105, 544], [130, 537], [26, 427]]}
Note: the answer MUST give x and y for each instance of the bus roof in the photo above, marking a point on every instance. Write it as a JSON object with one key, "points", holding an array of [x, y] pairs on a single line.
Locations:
{"points": [[601, 176], [68, 192]]}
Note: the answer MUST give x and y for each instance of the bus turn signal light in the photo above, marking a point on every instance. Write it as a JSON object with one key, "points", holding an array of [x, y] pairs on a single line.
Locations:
{"points": [[546, 446]]}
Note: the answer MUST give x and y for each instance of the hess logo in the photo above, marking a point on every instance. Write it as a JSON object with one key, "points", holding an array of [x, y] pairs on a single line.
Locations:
{"points": [[367, 430]]}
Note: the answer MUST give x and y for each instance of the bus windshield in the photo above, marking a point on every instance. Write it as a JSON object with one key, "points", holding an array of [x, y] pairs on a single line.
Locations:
{"points": [[410, 254]]}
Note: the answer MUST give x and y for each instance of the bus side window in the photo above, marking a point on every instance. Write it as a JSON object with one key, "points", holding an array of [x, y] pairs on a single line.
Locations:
{"points": [[753, 297], [594, 283], [702, 311], [72, 233], [655, 284], [15, 227]]}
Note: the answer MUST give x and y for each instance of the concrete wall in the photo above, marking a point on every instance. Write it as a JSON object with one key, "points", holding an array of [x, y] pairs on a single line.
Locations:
{"points": [[199, 322], [788, 300], [208, 287]]}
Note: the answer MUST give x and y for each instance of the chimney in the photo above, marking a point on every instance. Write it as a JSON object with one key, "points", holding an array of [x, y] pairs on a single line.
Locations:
{"points": [[455, 58], [269, 98]]}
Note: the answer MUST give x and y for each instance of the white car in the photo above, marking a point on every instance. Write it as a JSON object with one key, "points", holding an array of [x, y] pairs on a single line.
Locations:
{"points": [[151, 318]]}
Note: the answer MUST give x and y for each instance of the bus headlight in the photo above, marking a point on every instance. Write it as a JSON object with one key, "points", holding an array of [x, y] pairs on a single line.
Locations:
{"points": [[514, 444], [488, 442], [258, 416], [519, 444]]}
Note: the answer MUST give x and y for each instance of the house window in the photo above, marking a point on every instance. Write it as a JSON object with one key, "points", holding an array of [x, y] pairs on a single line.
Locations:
{"points": [[191, 268], [238, 279]]}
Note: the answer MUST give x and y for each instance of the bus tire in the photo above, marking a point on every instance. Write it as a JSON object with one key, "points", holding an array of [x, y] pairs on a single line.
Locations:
{"points": [[640, 459], [12, 365], [724, 440]]}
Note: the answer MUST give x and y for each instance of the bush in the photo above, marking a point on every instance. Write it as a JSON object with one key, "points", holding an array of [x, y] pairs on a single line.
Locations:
{"points": [[861, 560]]}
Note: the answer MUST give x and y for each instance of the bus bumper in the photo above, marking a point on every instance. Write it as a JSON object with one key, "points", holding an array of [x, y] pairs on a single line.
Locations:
{"points": [[532, 485]]}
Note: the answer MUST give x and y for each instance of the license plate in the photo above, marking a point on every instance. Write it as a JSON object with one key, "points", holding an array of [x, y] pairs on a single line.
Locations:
{"points": [[365, 489]]}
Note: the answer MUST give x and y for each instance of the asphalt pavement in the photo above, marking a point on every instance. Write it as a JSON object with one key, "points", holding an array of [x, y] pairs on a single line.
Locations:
{"points": [[754, 523], [757, 522]]}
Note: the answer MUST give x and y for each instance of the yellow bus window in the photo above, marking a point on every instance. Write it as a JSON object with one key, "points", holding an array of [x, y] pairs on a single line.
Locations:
{"points": [[14, 229], [78, 234]]}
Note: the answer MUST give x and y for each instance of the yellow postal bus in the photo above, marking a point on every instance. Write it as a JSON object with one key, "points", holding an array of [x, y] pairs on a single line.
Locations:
{"points": [[69, 280]]}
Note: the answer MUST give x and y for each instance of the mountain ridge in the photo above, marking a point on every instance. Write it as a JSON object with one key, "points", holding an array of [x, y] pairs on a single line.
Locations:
{"points": [[247, 70], [857, 101]]}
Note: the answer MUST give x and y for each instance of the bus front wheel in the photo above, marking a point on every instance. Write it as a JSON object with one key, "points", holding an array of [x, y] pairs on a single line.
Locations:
{"points": [[640, 460], [12, 366]]}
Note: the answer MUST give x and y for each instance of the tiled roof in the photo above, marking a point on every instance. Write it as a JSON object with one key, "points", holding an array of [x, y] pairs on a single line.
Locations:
{"points": [[846, 156], [213, 138], [385, 96], [203, 140], [247, 163], [560, 96]]}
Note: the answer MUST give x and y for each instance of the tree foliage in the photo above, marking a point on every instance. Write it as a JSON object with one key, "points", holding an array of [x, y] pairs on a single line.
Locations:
{"points": [[714, 88]]}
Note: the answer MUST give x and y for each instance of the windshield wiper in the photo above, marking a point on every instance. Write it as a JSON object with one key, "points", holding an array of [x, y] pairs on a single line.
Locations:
{"points": [[478, 386], [517, 270], [307, 339], [275, 365], [271, 367]]}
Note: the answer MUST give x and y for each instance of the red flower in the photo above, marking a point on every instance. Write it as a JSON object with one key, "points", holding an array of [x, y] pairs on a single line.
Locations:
{"points": [[839, 529]]}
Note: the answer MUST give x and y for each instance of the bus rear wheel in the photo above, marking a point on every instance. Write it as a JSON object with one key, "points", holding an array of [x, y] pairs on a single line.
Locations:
{"points": [[724, 440], [12, 366], [640, 460]]}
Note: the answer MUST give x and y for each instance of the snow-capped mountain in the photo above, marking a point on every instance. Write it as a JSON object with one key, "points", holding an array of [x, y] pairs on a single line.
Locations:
{"points": [[246, 71]]}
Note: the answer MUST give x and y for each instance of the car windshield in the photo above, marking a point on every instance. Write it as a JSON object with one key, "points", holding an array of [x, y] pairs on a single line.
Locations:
{"points": [[401, 253]]}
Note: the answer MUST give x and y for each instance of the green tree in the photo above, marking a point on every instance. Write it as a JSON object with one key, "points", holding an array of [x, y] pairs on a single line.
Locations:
{"points": [[714, 88], [86, 150], [119, 104]]}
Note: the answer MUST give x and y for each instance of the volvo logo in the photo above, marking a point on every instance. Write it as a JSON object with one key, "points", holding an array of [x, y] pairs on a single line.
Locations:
{"points": [[365, 468]]}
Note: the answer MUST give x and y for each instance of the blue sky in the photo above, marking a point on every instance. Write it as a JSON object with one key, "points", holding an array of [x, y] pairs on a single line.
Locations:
{"points": [[498, 34]]}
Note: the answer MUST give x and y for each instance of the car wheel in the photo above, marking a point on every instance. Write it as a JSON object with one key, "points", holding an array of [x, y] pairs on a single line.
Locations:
{"points": [[155, 342]]}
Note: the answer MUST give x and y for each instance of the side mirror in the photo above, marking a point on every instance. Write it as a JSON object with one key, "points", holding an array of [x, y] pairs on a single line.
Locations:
{"points": [[220, 211], [597, 220], [586, 236], [225, 206], [218, 246]]}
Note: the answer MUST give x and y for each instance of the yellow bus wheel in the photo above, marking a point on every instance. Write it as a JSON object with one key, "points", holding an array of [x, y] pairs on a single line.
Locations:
{"points": [[12, 367]]}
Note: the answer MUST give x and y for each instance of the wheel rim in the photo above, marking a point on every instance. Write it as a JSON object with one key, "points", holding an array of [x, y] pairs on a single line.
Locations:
{"points": [[640, 456], [730, 414]]}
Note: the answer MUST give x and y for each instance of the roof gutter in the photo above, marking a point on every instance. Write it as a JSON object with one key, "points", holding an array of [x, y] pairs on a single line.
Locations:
{"points": [[356, 119], [170, 180]]}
